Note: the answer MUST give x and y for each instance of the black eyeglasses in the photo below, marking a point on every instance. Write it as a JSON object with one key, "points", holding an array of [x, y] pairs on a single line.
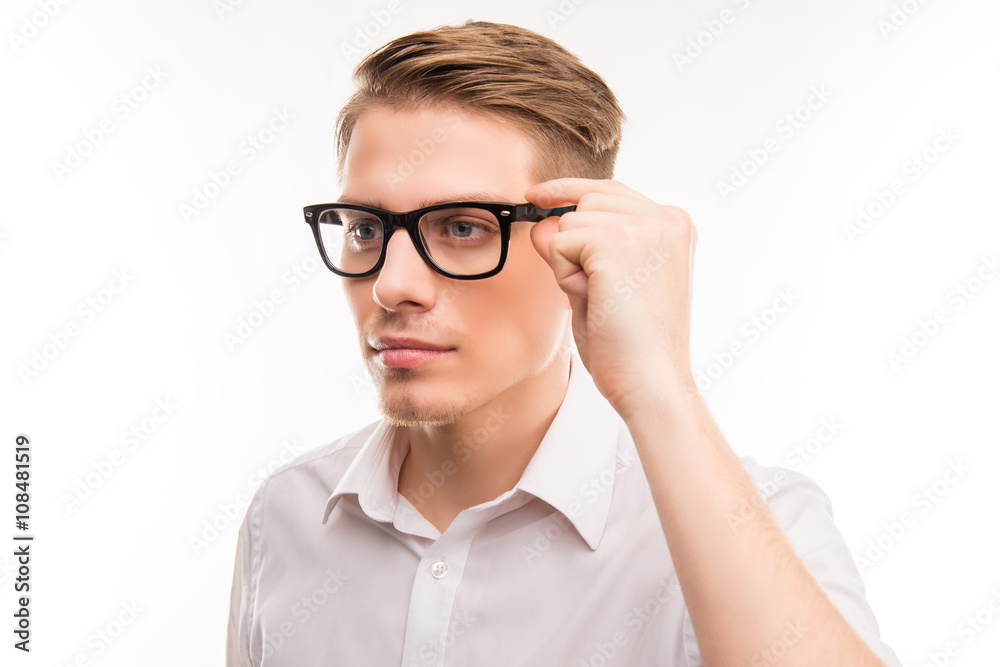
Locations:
{"points": [[463, 240]]}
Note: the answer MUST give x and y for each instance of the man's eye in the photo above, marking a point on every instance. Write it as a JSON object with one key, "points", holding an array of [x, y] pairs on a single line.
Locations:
{"points": [[466, 228], [365, 230]]}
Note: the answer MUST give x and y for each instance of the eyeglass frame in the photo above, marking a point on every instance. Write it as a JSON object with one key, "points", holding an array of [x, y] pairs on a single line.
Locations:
{"points": [[506, 214]]}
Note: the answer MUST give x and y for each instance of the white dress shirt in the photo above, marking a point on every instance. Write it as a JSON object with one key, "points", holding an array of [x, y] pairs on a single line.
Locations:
{"points": [[570, 567]]}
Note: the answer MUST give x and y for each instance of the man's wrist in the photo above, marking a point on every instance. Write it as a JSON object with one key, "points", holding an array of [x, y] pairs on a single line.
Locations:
{"points": [[666, 396]]}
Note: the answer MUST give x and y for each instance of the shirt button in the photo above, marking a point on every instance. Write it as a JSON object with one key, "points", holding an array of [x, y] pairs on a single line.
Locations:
{"points": [[439, 570]]}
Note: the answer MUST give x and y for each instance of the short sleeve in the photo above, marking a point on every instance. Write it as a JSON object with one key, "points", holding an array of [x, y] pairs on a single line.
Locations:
{"points": [[805, 513], [237, 632]]}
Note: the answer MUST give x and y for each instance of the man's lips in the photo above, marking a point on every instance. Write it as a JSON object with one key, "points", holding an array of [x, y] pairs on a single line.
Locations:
{"points": [[407, 352], [392, 343]]}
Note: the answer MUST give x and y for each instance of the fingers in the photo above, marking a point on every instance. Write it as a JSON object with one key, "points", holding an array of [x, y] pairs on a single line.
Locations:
{"points": [[569, 191], [541, 235], [570, 276]]}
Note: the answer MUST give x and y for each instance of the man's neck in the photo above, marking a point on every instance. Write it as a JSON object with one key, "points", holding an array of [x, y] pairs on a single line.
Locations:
{"points": [[482, 455]]}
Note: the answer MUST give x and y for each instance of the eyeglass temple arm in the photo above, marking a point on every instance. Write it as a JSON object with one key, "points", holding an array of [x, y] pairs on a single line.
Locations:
{"points": [[532, 213]]}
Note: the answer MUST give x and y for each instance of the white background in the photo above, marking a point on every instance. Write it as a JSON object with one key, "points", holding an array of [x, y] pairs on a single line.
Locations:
{"points": [[297, 381]]}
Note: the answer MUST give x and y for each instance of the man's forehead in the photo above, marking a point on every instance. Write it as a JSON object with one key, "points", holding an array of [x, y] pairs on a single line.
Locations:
{"points": [[475, 195]]}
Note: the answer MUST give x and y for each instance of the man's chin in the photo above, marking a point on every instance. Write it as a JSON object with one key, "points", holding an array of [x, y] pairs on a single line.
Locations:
{"points": [[403, 411]]}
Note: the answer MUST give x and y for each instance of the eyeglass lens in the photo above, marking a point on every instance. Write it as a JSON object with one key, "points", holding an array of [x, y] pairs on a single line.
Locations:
{"points": [[461, 240]]}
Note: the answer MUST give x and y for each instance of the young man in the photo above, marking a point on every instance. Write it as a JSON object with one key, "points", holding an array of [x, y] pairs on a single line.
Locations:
{"points": [[525, 500]]}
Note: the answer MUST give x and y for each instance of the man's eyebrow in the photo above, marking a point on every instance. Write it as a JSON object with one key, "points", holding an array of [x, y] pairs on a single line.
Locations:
{"points": [[479, 195]]}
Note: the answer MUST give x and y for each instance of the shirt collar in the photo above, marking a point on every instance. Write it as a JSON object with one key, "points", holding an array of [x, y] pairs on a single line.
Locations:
{"points": [[573, 468], [373, 475]]}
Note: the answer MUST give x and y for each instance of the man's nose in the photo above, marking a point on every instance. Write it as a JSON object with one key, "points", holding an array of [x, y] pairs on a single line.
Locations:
{"points": [[404, 282]]}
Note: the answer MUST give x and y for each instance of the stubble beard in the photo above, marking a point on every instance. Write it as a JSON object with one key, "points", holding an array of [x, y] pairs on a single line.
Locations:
{"points": [[398, 406]]}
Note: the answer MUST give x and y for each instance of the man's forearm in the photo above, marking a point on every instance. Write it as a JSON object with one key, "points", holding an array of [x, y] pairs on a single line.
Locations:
{"points": [[746, 588]]}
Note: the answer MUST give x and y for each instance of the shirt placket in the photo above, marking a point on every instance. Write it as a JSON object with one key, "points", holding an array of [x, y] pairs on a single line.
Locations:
{"points": [[432, 597]]}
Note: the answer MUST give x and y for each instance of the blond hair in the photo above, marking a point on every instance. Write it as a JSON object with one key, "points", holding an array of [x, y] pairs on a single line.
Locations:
{"points": [[502, 72]]}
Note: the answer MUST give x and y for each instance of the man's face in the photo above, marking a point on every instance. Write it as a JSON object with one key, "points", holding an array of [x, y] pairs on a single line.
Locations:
{"points": [[503, 329]]}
